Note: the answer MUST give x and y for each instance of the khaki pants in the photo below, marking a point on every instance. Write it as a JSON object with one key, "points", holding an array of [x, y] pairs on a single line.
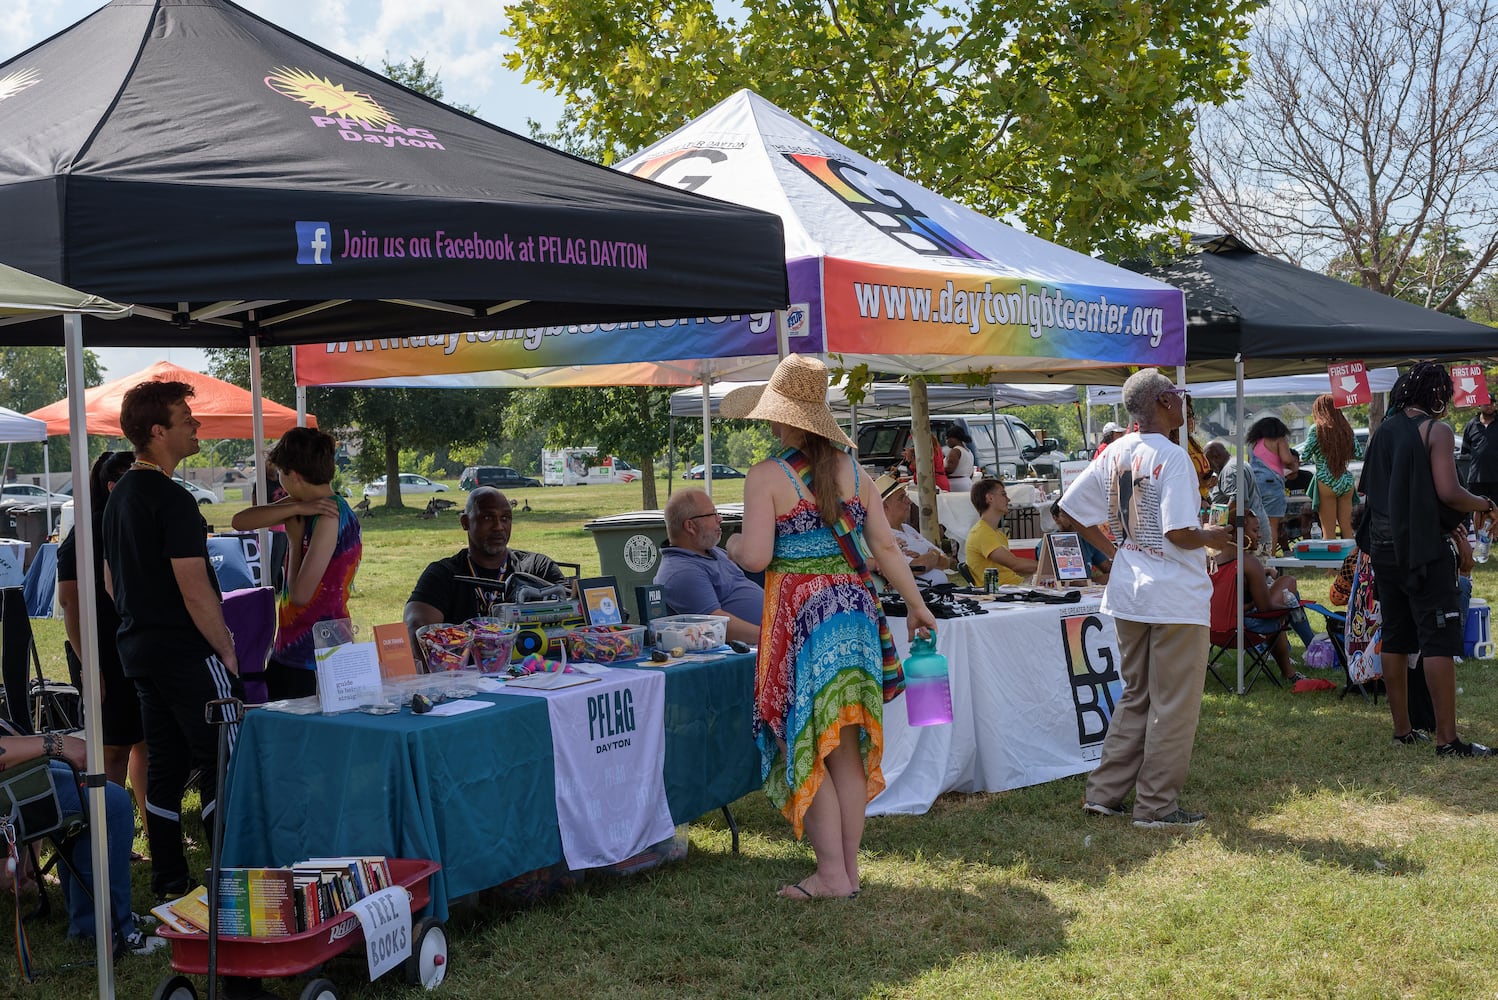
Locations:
{"points": [[1148, 748]]}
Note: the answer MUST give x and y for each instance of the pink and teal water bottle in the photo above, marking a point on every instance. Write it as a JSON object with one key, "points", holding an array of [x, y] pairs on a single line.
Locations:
{"points": [[928, 695]]}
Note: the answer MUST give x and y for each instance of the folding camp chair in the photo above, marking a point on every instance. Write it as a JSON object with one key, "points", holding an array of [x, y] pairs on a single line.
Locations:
{"points": [[1223, 634], [1336, 631], [28, 800]]}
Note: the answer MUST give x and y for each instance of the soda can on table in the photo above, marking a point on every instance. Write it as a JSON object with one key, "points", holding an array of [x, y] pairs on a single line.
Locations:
{"points": [[991, 581]]}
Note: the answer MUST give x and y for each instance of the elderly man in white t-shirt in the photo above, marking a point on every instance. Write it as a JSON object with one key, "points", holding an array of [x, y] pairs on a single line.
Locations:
{"points": [[928, 563], [1145, 488]]}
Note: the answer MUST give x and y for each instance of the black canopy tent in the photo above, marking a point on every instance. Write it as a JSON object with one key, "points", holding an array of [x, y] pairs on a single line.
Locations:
{"points": [[242, 186], [1249, 312], [1285, 320], [231, 179]]}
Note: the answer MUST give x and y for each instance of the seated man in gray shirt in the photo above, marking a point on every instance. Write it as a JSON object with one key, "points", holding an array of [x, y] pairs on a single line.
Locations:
{"points": [[1230, 477], [697, 576]]}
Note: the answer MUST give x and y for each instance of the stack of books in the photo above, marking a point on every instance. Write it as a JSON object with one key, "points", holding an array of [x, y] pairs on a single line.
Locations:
{"points": [[322, 888], [274, 902]]}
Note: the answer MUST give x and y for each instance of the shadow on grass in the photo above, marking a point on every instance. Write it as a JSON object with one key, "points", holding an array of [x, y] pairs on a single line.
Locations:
{"points": [[713, 925]]}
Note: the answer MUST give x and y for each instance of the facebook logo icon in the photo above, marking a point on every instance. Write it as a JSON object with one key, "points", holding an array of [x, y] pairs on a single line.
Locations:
{"points": [[313, 243]]}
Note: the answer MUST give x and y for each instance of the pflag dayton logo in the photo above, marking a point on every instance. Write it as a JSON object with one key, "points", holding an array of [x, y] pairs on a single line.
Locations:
{"points": [[14, 82], [357, 116]]}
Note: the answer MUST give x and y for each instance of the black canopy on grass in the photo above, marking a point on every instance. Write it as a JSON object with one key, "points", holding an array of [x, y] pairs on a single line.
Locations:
{"points": [[1285, 319], [230, 178]]}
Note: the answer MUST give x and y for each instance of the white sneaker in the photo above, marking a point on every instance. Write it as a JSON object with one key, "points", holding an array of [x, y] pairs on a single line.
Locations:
{"points": [[138, 942]]}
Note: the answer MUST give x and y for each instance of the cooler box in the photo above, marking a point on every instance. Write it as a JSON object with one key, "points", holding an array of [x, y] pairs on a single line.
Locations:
{"points": [[1325, 550], [1478, 642], [13, 561]]}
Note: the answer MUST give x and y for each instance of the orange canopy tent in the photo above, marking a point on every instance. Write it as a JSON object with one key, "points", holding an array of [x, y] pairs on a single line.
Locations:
{"points": [[223, 408]]}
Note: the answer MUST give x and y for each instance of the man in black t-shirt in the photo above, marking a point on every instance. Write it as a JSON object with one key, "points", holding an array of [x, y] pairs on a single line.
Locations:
{"points": [[173, 641], [440, 597]]}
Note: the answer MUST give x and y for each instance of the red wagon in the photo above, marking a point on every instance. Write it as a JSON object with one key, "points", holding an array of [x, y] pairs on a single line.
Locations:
{"points": [[294, 954]]}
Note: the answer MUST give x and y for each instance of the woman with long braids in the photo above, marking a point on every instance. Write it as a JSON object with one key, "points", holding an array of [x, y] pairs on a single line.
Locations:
{"points": [[1415, 503], [826, 660], [1330, 444]]}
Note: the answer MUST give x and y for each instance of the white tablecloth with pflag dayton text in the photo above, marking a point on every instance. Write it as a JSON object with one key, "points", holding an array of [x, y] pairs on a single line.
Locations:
{"points": [[1033, 688]]}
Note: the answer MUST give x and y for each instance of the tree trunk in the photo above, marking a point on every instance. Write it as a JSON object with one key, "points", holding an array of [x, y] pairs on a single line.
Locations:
{"points": [[392, 469], [648, 495], [1377, 407], [647, 462], [920, 433]]}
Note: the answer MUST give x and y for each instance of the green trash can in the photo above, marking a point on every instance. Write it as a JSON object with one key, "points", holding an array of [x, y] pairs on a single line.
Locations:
{"points": [[629, 547]]}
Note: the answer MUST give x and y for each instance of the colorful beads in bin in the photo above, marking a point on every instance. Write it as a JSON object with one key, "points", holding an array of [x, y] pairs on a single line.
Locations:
{"points": [[447, 646], [493, 641], [606, 643]]}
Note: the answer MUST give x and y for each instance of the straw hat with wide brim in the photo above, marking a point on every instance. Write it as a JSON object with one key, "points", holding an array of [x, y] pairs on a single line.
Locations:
{"points": [[796, 395]]}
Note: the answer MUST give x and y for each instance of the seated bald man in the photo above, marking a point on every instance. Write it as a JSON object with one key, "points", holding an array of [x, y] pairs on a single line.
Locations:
{"points": [[697, 576], [440, 597]]}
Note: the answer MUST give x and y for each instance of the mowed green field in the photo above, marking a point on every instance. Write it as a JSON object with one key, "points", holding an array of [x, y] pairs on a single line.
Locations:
{"points": [[1333, 865]]}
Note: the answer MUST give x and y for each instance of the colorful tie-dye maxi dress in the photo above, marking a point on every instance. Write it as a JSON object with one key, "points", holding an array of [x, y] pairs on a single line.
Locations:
{"points": [[820, 666]]}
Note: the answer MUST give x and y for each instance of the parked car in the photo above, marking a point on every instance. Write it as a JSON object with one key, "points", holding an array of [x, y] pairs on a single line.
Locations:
{"points": [[626, 473], [25, 492], [501, 477], [1002, 444], [719, 472], [202, 494], [410, 484]]}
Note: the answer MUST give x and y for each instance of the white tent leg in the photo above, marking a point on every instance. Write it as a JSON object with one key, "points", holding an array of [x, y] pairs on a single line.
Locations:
{"points": [[1238, 497], [257, 424], [47, 480], [88, 613], [301, 406], [707, 434]]}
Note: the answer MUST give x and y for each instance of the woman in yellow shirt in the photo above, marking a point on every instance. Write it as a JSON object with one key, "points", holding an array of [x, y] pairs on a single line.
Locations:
{"points": [[987, 543]]}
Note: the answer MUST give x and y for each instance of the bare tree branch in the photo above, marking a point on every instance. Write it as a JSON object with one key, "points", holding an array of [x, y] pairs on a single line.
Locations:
{"points": [[1366, 142]]}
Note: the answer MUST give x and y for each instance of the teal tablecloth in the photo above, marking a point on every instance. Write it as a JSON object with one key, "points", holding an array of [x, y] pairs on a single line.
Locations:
{"points": [[474, 792]]}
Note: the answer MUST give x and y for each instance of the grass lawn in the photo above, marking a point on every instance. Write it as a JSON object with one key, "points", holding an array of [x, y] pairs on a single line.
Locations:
{"points": [[1333, 865]]}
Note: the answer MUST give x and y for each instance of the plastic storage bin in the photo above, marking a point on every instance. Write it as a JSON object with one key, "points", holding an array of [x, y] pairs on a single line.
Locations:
{"points": [[693, 633], [1477, 643]]}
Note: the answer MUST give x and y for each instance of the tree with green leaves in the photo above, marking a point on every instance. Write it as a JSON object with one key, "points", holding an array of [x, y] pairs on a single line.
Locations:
{"points": [[383, 421], [631, 421], [1441, 261], [1073, 117], [34, 377]]}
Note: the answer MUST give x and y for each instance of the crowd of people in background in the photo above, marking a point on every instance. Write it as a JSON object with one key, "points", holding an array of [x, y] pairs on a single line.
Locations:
{"points": [[819, 528]]}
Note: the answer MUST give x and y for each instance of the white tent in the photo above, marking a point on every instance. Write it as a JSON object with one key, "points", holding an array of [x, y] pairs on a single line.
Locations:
{"points": [[17, 427], [1312, 384], [882, 272], [26, 297], [884, 398]]}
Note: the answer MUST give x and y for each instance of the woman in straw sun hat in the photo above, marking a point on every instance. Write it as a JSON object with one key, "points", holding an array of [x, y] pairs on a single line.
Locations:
{"points": [[826, 659]]}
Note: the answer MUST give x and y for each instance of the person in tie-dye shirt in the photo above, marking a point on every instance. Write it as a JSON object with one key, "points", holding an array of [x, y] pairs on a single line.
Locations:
{"points": [[324, 546]]}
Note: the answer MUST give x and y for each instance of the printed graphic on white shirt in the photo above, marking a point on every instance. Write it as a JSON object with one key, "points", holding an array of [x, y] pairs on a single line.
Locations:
{"points": [[1134, 506]]}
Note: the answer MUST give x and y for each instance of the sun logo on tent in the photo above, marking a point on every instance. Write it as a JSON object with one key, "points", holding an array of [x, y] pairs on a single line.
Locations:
{"points": [[334, 99], [12, 84]]}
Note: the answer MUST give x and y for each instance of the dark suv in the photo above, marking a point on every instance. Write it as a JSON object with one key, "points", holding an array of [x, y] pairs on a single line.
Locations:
{"points": [[499, 476], [1002, 444]]}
